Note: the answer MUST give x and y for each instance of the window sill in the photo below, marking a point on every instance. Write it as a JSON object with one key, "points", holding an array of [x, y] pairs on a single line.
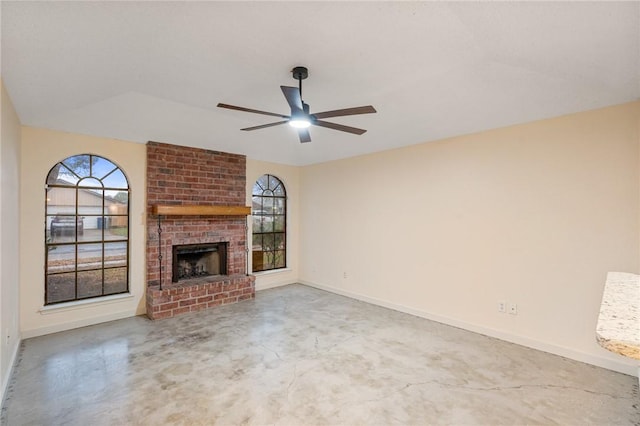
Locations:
{"points": [[271, 271], [80, 304]]}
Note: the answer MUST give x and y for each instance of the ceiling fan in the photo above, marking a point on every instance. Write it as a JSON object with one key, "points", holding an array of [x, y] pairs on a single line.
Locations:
{"points": [[300, 117]]}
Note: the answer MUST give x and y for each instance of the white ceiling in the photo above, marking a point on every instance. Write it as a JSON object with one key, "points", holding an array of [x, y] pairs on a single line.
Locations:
{"points": [[141, 71]]}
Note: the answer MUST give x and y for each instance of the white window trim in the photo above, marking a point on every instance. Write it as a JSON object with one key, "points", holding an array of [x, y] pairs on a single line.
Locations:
{"points": [[272, 271], [85, 303]]}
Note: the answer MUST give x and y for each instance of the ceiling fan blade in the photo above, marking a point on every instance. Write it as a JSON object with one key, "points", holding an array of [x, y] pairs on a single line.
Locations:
{"points": [[340, 127], [255, 111], [304, 135], [347, 111], [264, 126], [293, 97]]}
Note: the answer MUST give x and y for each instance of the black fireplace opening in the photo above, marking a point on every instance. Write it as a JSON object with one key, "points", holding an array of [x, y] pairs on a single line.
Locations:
{"points": [[199, 260]]}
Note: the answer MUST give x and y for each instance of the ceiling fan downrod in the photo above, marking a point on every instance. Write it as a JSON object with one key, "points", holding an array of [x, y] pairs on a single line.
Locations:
{"points": [[300, 73]]}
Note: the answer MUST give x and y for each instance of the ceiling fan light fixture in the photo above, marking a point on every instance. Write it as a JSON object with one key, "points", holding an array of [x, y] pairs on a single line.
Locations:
{"points": [[299, 122]]}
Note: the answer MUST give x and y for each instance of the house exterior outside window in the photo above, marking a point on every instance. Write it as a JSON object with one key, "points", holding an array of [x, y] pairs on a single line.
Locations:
{"points": [[269, 212], [86, 230]]}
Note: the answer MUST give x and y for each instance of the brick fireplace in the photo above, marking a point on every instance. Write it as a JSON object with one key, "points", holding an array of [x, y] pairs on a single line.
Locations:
{"points": [[195, 199]]}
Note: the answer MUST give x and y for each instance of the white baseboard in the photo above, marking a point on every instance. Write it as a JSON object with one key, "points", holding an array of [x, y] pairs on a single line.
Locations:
{"points": [[7, 378], [267, 286], [628, 367], [35, 332]]}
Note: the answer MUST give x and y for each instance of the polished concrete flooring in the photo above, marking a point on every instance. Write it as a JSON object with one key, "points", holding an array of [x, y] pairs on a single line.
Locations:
{"points": [[300, 356]]}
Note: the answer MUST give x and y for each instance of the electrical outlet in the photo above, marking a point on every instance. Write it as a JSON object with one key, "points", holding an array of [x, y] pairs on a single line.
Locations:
{"points": [[502, 307], [513, 309], [344, 275]]}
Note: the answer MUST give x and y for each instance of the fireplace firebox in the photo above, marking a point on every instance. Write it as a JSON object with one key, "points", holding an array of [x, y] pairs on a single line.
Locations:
{"points": [[199, 260]]}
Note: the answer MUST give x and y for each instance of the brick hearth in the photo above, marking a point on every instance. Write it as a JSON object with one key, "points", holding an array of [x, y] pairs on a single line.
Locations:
{"points": [[190, 176], [208, 293]]}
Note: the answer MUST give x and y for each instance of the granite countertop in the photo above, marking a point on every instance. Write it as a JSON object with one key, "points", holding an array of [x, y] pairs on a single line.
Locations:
{"points": [[618, 327]]}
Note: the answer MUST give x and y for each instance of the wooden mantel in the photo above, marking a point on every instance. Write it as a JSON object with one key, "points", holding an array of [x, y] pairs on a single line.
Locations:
{"points": [[198, 210]]}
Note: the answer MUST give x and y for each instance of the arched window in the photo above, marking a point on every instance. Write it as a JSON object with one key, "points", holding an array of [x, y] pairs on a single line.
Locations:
{"points": [[269, 211], [87, 230]]}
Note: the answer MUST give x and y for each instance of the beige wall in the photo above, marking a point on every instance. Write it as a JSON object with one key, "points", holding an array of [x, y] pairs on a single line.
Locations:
{"points": [[289, 175], [9, 238], [534, 214], [41, 149]]}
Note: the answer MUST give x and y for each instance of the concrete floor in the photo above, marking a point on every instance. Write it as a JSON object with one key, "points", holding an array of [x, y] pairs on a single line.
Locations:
{"points": [[297, 356]]}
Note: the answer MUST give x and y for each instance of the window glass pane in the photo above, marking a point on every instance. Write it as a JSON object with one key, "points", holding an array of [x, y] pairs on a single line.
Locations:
{"points": [[52, 177], [89, 256], [257, 242], [61, 287], [267, 193], [278, 205], [279, 191], [91, 216], [116, 180], [267, 242], [90, 203], [62, 235], [94, 224], [91, 232], [279, 259], [116, 201], [115, 254], [279, 223], [257, 189], [60, 175], [101, 167], [256, 205], [267, 223], [267, 260], [89, 283], [79, 164], [115, 280], [278, 241], [61, 258], [62, 229], [67, 177], [273, 182], [263, 182], [61, 201], [90, 183], [267, 205], [257, 224], [257, 261], [115, 228], [49, 219]]}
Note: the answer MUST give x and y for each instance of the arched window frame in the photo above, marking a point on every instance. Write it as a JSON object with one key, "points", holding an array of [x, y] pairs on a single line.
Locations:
{"points": [[269, 220], [86, 229]]}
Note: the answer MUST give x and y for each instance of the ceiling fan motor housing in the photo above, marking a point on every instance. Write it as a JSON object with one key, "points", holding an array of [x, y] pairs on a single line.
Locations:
{"points": [[300, 73]]}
